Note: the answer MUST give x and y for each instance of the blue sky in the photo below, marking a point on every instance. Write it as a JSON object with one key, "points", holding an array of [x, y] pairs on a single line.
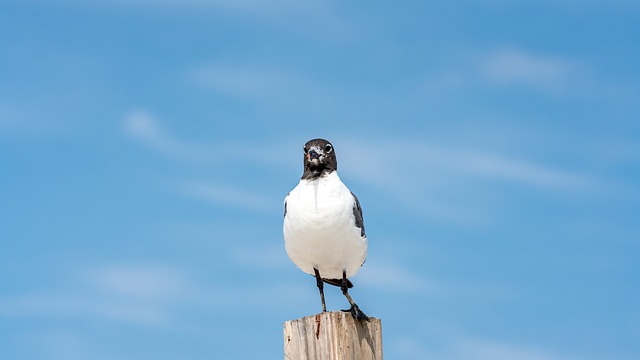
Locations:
{"points": [[147, 146]]}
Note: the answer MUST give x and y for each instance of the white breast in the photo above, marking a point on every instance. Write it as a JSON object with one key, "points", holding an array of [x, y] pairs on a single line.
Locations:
{"points": [[319, 228]]}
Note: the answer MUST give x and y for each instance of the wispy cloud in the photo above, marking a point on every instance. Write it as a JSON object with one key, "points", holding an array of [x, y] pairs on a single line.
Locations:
{"points": [[461, 347], [522, 172], [141, 281], [219, 194], [454, 184], [65, 344], [555, 75], [145, 127], [146, 295], [483, 349], [311, 18], [514, 67], [442, 181], [591, 5], [394, 276], [418, 162], [271, 256], [450, 183], [254, 82], [422, 161], [143, 295], [245, 6], [15, 120], [267, 86]]}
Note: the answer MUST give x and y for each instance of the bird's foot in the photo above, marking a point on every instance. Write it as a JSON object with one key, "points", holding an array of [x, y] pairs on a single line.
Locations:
{"points": [[357, 313]]}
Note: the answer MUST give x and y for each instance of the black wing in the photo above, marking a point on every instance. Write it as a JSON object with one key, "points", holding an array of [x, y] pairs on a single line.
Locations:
{"points": [[285, 205], [357, 212]]}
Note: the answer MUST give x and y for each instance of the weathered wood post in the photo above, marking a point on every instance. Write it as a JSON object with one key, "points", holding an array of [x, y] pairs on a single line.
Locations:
{"points": [[332, 336]]}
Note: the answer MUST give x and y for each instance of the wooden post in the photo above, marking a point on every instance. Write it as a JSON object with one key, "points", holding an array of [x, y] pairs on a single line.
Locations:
{"points": [[332, 336]]}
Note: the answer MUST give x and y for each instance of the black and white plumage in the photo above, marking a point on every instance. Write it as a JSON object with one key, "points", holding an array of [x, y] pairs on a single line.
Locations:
{"points": [[323, 225]]}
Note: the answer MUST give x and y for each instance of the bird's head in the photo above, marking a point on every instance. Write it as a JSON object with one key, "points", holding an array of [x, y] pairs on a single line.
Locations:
{"points": [[319, 157]]}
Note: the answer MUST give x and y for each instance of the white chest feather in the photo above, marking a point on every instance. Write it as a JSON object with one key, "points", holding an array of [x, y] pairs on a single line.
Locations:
{"points": [[319, 228]]}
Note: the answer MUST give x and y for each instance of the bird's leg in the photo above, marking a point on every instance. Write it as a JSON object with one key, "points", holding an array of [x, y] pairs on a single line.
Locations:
{"points": [[320, 284], [354, 310]]}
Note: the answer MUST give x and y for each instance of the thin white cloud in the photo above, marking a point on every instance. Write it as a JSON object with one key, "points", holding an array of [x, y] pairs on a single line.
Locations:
{"points": [[64, 344], [458, 347], [220, 194], [308, 17], [394, 276], [416, 163], [444, 182], [514, 67], [275, 294], [15, 120], [88, 304], [556, 76], [575, 5], [621, 151], [141, 281], [482, 349], [254, 82], [422, 161], [450, 184], [272, 256], [250, 7], [522, 172], [143, 126], [269, 87], [144, 295]]}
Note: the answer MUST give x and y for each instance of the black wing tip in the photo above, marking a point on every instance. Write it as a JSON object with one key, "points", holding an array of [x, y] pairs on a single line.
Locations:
{"points": [[357, 213], [285, 204]]}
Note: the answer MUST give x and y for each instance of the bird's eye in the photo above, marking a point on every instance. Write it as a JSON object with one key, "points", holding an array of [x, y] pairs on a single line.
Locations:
{"points": [[328, 148], [305, 150]]}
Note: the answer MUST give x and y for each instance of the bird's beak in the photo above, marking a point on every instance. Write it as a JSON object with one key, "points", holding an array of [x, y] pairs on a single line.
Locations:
{"points": [[313, 155]]}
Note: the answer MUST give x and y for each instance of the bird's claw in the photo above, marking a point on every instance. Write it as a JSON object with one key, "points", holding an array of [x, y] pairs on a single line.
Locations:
{"points": [[357, 313]]}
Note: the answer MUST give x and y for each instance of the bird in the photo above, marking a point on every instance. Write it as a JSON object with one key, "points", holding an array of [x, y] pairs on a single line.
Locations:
{"points": [[323, 225]]}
